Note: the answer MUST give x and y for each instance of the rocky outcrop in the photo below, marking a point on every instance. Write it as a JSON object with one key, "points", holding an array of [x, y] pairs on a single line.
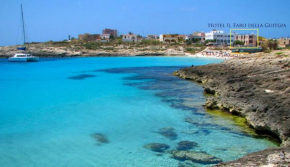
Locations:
{"points": [[268, 158], [254, 86]]}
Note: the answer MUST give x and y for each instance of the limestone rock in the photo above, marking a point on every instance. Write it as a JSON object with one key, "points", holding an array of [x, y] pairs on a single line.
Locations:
{"points": [[186, 145], [251, 86], [198, 157], [157, 147]]}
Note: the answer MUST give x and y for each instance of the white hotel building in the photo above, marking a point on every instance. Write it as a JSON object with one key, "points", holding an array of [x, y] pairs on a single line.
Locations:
{"points": [[220, 37]]}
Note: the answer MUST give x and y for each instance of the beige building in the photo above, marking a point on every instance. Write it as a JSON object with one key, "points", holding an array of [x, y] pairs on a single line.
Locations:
{"points": [[198, 36], [182, 37], [168, 38], [283, 42], [249, 39], [89, 37]]}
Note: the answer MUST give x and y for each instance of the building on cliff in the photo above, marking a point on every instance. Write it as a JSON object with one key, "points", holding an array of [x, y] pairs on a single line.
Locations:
{"points": [[89, 37], [220, 37], [197, 37], [129, 38], [111, 32], [168, 38], [250, 40], [182, 38], [283, 42], [151, 37], [105, 37]]}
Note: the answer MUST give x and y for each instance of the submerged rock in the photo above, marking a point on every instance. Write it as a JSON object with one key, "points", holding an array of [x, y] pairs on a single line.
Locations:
{"points": [[198, 157], [157, 147], [186, 145], [81, 77], [100, 138], [168, 132], [198, 123]]}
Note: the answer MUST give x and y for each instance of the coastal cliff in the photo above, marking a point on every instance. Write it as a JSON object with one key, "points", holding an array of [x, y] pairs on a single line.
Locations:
{"points": [[255, 86]]}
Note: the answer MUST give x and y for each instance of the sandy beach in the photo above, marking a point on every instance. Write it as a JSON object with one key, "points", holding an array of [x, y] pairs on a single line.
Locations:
{"points": [[210, 53]]}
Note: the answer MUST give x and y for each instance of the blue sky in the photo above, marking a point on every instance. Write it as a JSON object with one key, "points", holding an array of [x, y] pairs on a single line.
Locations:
{"points": [[56, 19]]}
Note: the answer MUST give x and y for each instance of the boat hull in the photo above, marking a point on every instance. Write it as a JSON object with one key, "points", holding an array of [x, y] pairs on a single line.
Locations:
{"points": [[32, 59], [24, 59], [17, 59]]}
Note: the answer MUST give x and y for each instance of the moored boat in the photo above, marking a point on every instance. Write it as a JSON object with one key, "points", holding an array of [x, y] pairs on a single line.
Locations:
{"points": [[23, 57]]}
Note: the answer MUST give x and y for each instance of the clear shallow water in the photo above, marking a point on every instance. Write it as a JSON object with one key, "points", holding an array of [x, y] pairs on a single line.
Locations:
{"points": [[50, 109]]}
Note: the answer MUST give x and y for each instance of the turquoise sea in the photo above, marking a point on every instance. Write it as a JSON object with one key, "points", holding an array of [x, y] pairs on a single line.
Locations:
{"points": [[51, 111]]}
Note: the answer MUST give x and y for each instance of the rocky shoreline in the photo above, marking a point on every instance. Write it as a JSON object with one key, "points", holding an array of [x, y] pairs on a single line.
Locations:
{"points": [[272, 157], [255, 86], [70, 50]]}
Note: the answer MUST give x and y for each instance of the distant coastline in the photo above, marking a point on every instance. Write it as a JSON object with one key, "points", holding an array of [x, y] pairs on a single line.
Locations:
{"points": [[66, 49], [71, 50]]}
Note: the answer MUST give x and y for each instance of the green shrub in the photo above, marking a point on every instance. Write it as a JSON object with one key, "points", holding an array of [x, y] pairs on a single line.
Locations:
{"points": [[191, 50], [281, 54], [199, 45], [238, 42], [92, 45], [150, 42]]}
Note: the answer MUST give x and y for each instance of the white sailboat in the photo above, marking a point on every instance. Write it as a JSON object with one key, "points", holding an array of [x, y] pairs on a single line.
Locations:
{"points": [[23, 57]]}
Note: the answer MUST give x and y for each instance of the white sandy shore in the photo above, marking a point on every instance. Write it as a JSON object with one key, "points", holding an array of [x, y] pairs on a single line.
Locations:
{"points": [[208, 53], [205, 56]]}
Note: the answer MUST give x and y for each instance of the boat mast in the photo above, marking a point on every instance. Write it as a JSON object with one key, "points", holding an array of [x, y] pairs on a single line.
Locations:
{"points": [[23, 25], [24, 35]]}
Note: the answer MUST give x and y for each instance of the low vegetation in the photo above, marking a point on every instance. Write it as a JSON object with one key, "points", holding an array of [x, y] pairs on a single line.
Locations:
{"points": [[270, 44], [92, 45], [267, 51], [281, 54], [150, 45], [194, 50]]}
